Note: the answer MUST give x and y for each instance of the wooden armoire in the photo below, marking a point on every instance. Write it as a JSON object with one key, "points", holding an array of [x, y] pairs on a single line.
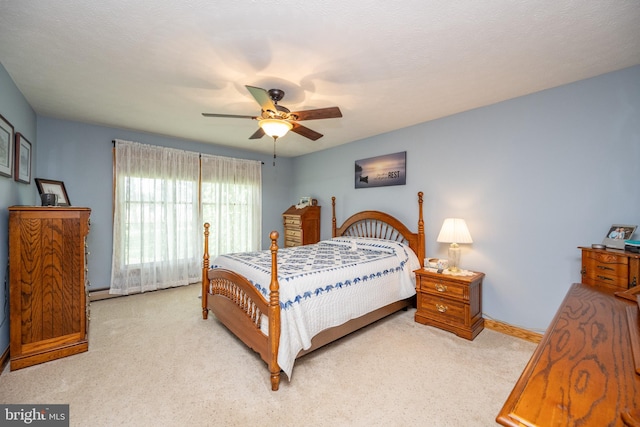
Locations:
{"points": [[47, 283]]}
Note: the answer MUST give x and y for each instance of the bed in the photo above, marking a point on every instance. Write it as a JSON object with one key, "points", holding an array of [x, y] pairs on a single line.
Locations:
{"points": [[283, 313]]}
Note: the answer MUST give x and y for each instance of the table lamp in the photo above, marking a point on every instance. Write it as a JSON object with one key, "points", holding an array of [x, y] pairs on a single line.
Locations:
{"points": [[454, 231]]}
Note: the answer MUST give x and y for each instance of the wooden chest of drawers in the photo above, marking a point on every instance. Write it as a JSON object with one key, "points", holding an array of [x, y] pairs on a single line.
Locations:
{"points": [[614, 269], [301, 226], [452, 303], [48, 281]]}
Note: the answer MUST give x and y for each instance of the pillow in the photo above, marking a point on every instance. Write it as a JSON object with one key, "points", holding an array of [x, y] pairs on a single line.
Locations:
{"points": [[368, 243]]}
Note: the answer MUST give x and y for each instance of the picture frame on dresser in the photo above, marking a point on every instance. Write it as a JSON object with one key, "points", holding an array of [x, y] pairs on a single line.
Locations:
{"points": [[304, 201], [6, 147], [617, 234], [22, 159], [54, 187]]}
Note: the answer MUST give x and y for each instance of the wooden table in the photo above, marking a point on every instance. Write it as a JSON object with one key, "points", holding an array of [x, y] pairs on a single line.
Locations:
{"points": [[584, 371]]}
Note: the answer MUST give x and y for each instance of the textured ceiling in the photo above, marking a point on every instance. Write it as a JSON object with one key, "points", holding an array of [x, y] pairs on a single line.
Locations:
{"points": [[156, 65]]}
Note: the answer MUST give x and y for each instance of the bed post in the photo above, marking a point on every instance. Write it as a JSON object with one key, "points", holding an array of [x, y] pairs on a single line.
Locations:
{"points": [[205, 269], [274, 314], [421, 236], [333, 219]]}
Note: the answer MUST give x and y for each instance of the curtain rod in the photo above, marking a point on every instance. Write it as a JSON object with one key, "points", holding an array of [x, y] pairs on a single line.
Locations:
{"points": [[113, 141]]}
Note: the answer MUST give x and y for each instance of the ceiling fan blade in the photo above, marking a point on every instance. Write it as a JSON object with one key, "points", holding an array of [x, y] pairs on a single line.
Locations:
{"points": [[320, 113], [306, 132], [257, 134], [263, 98], [230, 116]]}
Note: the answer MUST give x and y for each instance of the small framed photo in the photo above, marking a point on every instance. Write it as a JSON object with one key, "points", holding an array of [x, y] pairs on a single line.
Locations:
{"points": [[305, 201], [23, 159], [49, 186], [617, 234], [6, 147]]}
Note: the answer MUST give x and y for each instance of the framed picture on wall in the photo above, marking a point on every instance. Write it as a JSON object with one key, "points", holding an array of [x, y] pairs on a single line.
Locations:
{"points": [[390, 169], [23, 159], [6, 147], [50, 186]]}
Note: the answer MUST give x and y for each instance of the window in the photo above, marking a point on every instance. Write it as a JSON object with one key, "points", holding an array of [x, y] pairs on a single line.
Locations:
{"points": [[147, 222], [231, 203], [159, 212]]}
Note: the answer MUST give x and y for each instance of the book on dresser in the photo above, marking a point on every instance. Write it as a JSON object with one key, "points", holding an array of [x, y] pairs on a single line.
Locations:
{"points": [[47, 283]]}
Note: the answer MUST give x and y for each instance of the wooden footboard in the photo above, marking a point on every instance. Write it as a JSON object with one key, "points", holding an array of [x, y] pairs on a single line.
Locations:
{"points": [[239, 306]]}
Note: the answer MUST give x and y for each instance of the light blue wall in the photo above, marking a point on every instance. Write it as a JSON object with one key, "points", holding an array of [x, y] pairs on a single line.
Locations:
{"points": [[534, 177], [80, 155], [15, 109]]}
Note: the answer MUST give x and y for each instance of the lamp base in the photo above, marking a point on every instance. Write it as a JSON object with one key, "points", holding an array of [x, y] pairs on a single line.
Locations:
{"points": [[454, 258]]}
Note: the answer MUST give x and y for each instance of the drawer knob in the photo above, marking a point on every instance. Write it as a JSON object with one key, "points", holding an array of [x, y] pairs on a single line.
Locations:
{"points": [[604, 278], [442, 308], [602, 267], [441, 288]]}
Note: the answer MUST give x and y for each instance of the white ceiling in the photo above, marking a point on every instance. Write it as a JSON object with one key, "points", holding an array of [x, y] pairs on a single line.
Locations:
{"points": [[156, 65]]}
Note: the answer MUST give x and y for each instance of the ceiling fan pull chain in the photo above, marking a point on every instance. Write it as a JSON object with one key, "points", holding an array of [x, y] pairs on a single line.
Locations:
{"points": [[274, 150]]}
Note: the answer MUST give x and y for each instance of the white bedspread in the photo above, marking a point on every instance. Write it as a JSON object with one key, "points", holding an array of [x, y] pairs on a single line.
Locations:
{"points": [[327, 284]]}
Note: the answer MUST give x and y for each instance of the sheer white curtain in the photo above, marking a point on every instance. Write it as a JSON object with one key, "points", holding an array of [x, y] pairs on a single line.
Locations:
{"points": [[232, 203], [156, 233]]}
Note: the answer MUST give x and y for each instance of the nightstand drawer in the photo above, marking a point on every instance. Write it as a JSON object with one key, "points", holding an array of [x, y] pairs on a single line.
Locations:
{"points": [[444, 288], [442, 309]]}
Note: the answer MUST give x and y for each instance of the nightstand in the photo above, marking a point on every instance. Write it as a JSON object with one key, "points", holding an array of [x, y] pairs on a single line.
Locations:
{"points": [[452, 303]]}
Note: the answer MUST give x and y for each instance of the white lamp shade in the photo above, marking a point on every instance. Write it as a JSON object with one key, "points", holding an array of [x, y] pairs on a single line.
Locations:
{"points": [[454, 230], [275, 128]]}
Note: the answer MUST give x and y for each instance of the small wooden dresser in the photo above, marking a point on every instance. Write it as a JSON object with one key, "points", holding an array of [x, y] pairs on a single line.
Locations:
{"points": [[452, 303], [47, 271], [615, 269], [301, 226]]}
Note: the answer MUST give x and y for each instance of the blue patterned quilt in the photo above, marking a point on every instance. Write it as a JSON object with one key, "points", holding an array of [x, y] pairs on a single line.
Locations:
{"points": [[327, 284]]}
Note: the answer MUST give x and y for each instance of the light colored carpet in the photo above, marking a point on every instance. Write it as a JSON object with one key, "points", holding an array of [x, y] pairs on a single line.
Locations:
{"points": [[153, 361]]}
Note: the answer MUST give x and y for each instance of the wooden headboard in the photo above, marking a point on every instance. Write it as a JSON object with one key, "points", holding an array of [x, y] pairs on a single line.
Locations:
{"points": [[381, 225]]}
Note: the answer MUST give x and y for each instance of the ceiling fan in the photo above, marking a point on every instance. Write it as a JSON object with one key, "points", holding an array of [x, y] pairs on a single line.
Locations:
{"points": [[276, 120]]}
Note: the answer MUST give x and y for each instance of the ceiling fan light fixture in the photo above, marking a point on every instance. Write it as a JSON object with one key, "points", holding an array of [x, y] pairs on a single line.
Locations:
{"points": [[275, 128]]}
